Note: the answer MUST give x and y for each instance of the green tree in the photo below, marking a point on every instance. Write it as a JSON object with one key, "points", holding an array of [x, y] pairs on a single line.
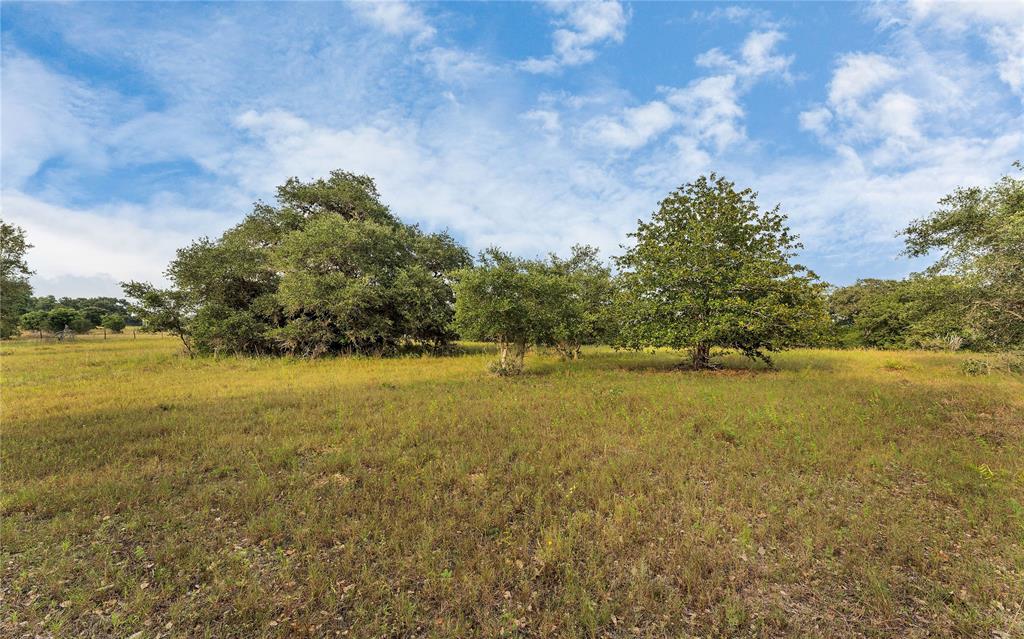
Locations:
{"points": [[506, 300], [366, 281], [113, 322], [15, 290], [583, 309], [979, 234], [44, 303], [893, 314], [62, 317], [329, 269], [162, 310], [93, 314], [35, 321], [709, 270]]}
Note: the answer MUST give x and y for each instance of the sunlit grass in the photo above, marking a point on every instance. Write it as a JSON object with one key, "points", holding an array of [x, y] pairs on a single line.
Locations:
{"points": [[846, 493]]}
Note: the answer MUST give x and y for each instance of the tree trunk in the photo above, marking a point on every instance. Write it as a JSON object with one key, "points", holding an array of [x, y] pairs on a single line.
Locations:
{"points": [[520, 354], [701, 356], [510, 357]]}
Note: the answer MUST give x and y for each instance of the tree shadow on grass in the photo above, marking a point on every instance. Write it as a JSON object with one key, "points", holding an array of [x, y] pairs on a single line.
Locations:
{"points": [[725, 364]]}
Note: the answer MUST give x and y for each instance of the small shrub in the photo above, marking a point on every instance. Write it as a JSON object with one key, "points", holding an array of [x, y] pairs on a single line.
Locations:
{"points": [[506, 368], [894, 365], [975, 366]]}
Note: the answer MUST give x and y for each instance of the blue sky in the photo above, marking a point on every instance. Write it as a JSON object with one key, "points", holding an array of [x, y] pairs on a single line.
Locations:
{"points": [[130, 129]]}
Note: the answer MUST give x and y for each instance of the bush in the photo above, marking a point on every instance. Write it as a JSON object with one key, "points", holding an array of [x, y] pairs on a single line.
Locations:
{"points": [[975, 366], [62, 316], [35, 321], [508, 367], [113, 322]]}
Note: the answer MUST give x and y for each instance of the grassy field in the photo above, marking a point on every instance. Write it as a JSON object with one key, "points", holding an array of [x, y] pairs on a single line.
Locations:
{"points": [[846, 494]]}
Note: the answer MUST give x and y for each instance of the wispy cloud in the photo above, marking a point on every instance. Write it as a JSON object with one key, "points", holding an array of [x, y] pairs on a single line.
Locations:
{"points": [[397, 18], [582, 26], [238, 97], [707, 110]]}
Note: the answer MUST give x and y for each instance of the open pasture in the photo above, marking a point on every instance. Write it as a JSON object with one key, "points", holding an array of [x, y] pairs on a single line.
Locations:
{"points": [[852, 493]]}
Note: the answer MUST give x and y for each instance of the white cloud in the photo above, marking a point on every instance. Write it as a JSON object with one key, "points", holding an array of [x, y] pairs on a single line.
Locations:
{"points": [[858, 75], [548, 120], [581, 27], [107, 243], [905, 127], [468, 176], [634, 128], [737, 14], [707, 109], [710, 110], [397, 18], [757, 57], [46, 115], [999, 24], [816, 120], [406, 20]]}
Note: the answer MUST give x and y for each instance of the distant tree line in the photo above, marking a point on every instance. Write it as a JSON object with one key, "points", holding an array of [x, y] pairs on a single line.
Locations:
{"points": [[329, 269], [19, 310], [79, 314]]}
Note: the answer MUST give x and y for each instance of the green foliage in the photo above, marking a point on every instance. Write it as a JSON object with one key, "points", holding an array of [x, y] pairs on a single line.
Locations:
{"points": [[507, 300], [35, 321], [583, 309], [922, 311], [162, 310], [62, 317], [980, 235], [374, 285], [975, 366], [93, 314], [46, 303], [709, 270], [15, 290], [92, 308], [327, 270], [113, 322]]}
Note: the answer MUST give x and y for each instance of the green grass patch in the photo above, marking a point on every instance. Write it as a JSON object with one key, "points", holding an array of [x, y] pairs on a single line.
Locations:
{"points": [[422, 497]]}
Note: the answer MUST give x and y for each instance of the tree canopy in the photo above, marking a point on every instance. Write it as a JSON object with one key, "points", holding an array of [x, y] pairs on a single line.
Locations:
{"points": [[329, 269], [520, 303], [710, 270], [504, 299], [15, 290], [979, 235], [113, 322], [922, 311]]}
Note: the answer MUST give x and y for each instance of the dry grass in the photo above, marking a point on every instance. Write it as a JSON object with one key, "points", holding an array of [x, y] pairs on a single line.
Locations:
{"points": [[848, 494]]}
